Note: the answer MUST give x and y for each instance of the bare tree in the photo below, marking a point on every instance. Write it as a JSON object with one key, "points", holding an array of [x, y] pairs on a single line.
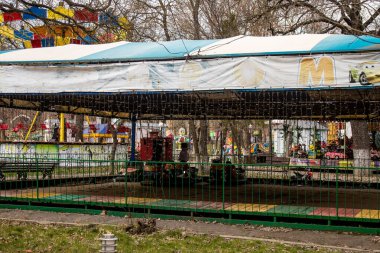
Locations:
{"points": [[358, 17], [361, 147], [322, 16]]}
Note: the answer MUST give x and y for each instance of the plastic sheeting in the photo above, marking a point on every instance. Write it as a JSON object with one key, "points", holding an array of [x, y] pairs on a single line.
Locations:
{"points": [[55, 54], [239, 46], [290, 44], [279, 72], [243, 62]]}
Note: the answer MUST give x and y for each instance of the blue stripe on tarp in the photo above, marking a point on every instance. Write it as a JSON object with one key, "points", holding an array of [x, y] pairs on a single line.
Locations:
{"points": [[347, 43], [175, 49], [149, 50]]}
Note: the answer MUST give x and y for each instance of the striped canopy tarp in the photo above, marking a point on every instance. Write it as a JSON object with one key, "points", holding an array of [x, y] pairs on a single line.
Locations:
{"points": [[181, 49]]}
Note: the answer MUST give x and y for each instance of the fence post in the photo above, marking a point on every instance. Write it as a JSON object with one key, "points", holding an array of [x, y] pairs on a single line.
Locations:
{"points": [[37, 186], [223, 185], [126, 181], [133, 137]]}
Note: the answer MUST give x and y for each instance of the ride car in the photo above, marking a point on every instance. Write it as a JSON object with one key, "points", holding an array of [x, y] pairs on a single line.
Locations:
{"points": [[337, 154]]}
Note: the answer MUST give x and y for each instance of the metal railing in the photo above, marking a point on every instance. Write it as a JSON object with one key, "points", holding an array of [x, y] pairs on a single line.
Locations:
{"points": [[260, 191]]}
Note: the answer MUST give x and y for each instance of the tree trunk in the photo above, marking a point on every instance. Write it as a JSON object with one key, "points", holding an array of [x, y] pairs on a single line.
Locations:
{"points": [[361, 147], [194, 135], [236, 140], [216, 146], [247, 138], [2, 135], [165, 25], [203, 140], [114, 146], [288, 138], [79, 134], [195, 6]]}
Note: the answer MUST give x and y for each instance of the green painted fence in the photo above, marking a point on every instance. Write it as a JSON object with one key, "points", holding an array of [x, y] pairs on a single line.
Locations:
{"points": [[327, 195]]}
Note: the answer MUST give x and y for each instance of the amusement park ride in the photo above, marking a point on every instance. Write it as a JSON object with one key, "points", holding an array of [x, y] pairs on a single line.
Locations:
{"points": [[156, 148], [28, 28], [157, 151], [159, 168]]}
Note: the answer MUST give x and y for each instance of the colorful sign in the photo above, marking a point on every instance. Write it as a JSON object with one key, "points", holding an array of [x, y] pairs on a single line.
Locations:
{"points": [[89, 154], [304, 162]]}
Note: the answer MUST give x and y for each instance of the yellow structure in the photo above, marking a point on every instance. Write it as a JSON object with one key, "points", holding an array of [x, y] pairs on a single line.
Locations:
{"points": [[31, 125], [62, 127], [332, 134], [97, 135]]}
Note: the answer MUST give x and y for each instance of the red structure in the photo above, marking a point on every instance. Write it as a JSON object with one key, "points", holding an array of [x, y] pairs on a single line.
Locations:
{"points": [[4, 127], [156, 148]]}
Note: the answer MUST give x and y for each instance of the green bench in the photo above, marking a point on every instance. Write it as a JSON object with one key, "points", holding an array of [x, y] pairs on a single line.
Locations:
{"points": [[23, 168]]}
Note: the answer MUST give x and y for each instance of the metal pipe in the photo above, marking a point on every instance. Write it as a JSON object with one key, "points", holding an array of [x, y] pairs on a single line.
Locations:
{"points": [[221, 144], [61, 127], [31, 125], [270, 142]]}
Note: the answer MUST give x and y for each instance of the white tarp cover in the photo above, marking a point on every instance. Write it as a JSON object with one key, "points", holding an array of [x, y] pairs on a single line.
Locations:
{"points": [[260, 72], [241, 45], [62, 53]]}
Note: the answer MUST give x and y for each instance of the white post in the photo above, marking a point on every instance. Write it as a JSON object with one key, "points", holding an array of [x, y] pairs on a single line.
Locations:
{"points": [[108, 243]]}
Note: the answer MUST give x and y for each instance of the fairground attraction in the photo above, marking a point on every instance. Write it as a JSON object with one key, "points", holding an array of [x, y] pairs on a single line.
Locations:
{"points": [[279, 131]]}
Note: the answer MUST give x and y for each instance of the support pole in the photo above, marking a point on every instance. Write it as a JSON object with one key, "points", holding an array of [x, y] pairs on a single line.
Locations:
{"points": [[133, 138], [270, 142], [221, 144], [31, 125], [62, 127]]}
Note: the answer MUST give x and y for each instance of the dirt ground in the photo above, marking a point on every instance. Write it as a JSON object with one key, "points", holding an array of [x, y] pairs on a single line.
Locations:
{"points": [[343, 242], [248, 193]]}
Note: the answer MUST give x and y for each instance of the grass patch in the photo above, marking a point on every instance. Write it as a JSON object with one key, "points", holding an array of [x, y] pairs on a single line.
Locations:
{"points": [[30, 237]]}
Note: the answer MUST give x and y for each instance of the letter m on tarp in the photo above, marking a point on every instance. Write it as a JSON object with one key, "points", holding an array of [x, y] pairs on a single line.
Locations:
{"points": [[317, 71]]}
